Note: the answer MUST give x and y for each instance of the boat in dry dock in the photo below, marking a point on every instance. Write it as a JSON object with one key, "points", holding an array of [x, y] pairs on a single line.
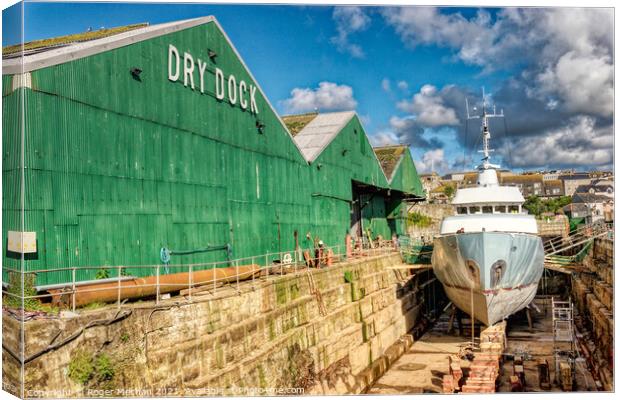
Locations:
{"points": [[489, 256]]}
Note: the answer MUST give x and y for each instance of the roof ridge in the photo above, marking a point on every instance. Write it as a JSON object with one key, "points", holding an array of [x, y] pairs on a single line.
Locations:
{"points": [[61, 54], [71, 38]]}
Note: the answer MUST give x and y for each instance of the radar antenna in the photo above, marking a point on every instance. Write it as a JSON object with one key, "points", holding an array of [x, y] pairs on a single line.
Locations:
{"points": [[486, 134]]}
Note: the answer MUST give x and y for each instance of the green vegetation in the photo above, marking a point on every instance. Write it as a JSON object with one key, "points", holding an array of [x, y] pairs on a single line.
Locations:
{"points": [[295, 123], [537, 206], [124, 337], [449, 190], [418, 220], [81, 368], [102, 274], [92, 306], [14, 298], [104, 368], [78, 37], [86, 369]]}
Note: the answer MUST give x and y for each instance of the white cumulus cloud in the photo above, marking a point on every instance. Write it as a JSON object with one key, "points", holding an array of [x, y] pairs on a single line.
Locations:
{"points": [[566, 54], [349, 20], [384, 138], [328, 96], [429, 109], [584, 83], [432, 161], [579, 143]]}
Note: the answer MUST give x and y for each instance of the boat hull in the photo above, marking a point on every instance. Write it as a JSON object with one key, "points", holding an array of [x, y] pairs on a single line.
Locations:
{"points": [[496, 271]]}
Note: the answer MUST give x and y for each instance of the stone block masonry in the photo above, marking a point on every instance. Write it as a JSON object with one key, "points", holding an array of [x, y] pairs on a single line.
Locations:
{"points": [[592, 292], [270, 338]]}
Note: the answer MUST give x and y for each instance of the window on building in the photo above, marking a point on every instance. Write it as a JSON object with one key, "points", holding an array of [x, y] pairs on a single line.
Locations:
{"points": [[474, 210], [487, 209], [500, 209], [513, 209], [461, 210]]}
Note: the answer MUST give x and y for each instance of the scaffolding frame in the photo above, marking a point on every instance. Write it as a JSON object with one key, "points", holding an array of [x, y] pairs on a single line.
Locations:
{"points": [[563, 332]]}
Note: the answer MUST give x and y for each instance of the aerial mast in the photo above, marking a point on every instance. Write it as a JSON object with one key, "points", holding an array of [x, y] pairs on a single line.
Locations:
{"points": [[486, 134]]}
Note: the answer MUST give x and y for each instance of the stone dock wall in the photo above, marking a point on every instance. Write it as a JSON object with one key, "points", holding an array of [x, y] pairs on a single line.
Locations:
{"points": [[592, 292], [437, 212], [270, 336]]}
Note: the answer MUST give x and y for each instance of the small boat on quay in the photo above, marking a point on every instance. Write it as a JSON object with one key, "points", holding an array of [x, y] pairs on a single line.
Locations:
{"points": [[488, 256]]}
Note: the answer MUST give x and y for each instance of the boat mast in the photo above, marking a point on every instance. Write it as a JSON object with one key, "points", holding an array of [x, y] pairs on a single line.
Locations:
{"points": [[486, 134]]}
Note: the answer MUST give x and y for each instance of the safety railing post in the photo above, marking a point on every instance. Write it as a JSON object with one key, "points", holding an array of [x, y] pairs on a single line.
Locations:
{"points": [[118, 287], [189, 284], [237, 273], [73, 289], [266, 266], [253, 269], [157, 285], [214, 274]]}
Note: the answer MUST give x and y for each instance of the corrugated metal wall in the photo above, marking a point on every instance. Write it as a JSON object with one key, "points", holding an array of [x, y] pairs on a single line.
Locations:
{"points": [[118, 168], [12, 208], [406, 178]]}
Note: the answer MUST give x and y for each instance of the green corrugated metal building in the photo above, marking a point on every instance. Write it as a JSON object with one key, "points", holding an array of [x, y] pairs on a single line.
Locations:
{"points": [[159, 136]]}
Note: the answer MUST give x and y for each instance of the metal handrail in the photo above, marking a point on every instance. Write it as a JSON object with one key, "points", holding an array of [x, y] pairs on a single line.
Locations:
{"points": [[594, 228], [270, 268]]}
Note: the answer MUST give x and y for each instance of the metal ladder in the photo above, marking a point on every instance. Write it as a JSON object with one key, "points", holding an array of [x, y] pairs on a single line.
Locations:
{"points": [[563, 332]]}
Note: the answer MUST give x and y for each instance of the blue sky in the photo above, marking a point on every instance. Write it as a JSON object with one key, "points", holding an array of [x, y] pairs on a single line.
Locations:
{"points": [[407, 71]]}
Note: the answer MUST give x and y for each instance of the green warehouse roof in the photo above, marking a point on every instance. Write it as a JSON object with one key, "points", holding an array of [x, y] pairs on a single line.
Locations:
{"points": [[37, 46], [90, 45], [389, 158], [295, 123], [320, 132]]}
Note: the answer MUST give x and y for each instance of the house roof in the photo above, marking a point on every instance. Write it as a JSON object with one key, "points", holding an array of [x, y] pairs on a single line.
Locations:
{"points": [[553, 182], [389, 157], [318, 133], [295, 123], [597, 188], [470, 177], [522, 178], [590, 198], [441, 188], [579, 176], [56, 53]]}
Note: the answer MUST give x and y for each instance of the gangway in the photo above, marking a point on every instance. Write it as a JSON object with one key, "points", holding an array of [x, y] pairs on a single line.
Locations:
{"points": [[576, 238], [582, 237]]}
